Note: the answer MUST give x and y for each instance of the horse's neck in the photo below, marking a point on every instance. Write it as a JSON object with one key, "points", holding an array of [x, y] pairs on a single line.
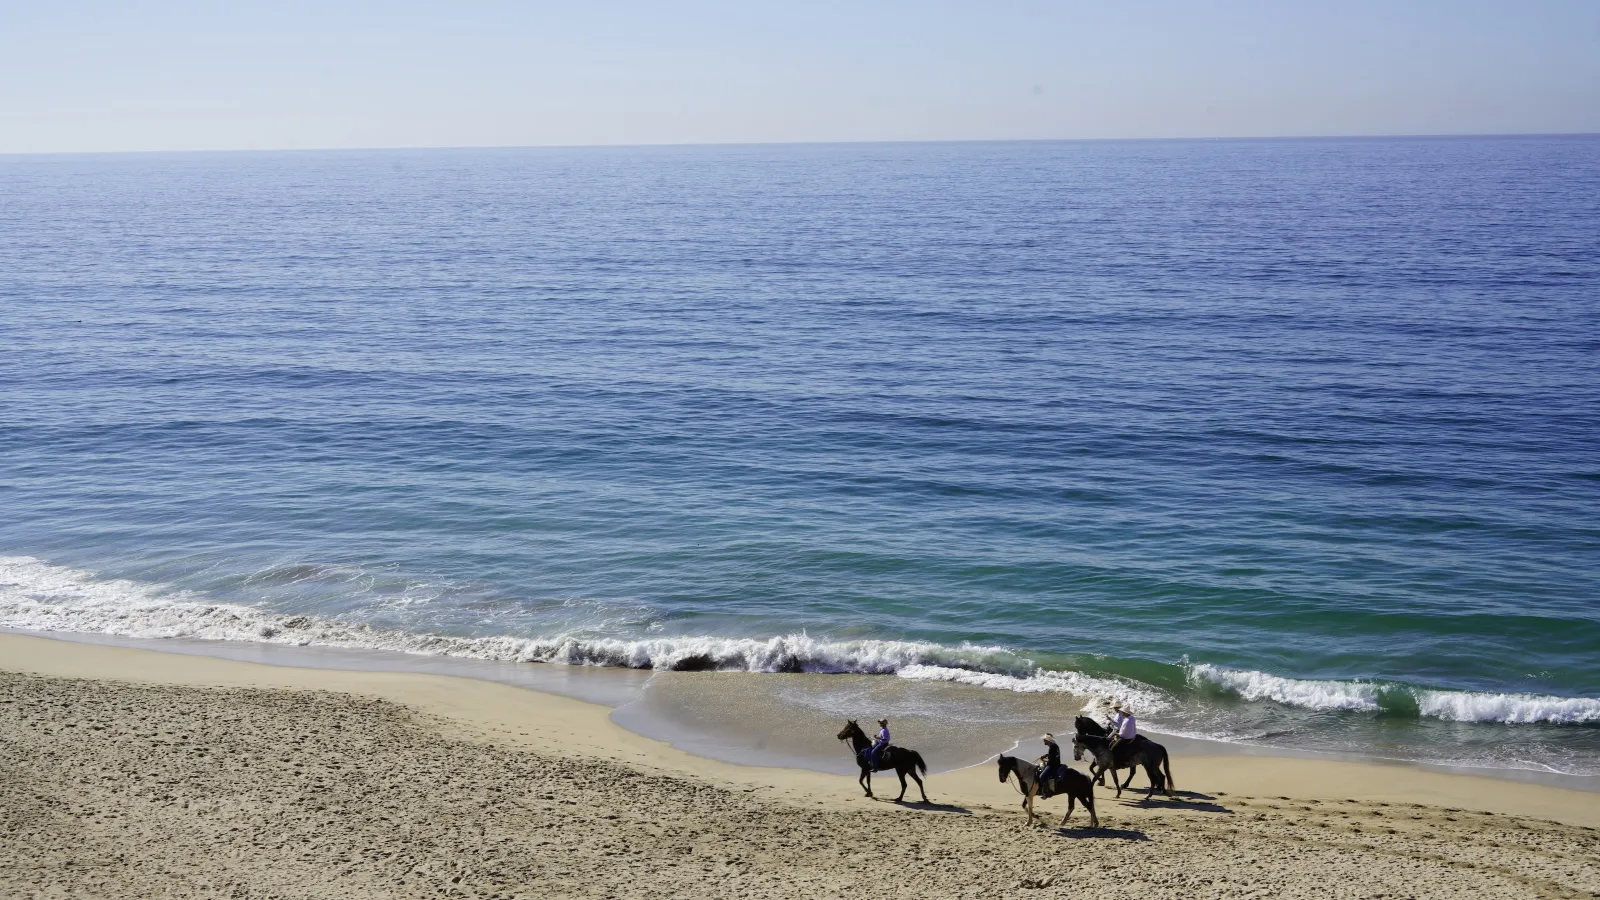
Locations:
{"points": [[860, 740], [1027, 771]]}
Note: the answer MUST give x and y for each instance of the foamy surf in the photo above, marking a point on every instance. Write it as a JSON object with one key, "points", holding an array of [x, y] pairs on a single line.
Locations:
{"points": [[1376, 696], [1142, 697], [39, 596]]}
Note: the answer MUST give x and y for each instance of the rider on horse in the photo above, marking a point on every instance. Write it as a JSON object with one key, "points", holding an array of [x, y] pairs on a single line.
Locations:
{"points": [[881, 744], [1052, 766], [1123, 725]]}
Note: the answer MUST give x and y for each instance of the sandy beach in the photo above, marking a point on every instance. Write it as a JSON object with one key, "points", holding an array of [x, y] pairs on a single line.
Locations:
{"points": [[130, 773]]}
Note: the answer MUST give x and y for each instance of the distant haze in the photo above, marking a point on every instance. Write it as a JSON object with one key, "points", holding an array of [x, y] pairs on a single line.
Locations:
{"points": [[93, 75]]}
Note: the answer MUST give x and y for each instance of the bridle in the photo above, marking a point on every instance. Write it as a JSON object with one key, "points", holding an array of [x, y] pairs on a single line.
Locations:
{"points": [[1017, 772], [847, 738]]}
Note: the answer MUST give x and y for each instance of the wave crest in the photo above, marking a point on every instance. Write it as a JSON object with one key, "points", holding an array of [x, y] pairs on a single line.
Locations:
{"points": [[38, 596], [1374, 696], [1097, 689]]}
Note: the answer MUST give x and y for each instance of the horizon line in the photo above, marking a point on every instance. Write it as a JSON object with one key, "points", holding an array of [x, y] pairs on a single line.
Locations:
{"points": [[815, 143]]}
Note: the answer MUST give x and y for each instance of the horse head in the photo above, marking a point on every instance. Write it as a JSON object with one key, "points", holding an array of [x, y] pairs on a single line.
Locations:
{"points": [[850, 729], [1007, 766], [1077, 748]]}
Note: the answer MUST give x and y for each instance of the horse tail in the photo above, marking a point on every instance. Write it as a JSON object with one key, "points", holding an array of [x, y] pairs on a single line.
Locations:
{"points": [[1166, 765], [916, 760]]}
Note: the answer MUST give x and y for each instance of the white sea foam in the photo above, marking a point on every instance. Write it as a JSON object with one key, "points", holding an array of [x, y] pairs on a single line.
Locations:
{"points": [[1288, 691], [1454, 706], [1464, 706], [1096, 689], [38, 596]]}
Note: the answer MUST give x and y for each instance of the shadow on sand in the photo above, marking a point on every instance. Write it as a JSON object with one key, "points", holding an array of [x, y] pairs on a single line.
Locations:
{"points": [[931, 806], [1081, 832], [1190, 800]]}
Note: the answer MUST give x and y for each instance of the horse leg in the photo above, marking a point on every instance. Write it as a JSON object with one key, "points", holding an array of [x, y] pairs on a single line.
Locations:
{"points": [[1088, 803], [1027, 804], [902, 775], [866, 781], [918, 780], [1156, 781], [1071, 799], [1132, 771]]}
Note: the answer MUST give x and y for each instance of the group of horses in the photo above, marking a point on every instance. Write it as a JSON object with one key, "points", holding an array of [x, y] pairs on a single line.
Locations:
{"points": [[1091, 739]]}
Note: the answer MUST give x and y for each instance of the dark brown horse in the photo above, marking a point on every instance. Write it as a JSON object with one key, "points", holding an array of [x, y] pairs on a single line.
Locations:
{"points": [[1086, 725], [904, 762], [1129, 754], [1075, 784]]}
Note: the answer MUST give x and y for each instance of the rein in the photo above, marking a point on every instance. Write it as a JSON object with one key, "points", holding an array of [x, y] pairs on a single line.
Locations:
{"points": [[855, 751], [1017, 771]]}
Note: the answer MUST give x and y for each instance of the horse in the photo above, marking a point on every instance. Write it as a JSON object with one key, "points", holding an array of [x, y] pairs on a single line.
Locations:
{"points": [[1085, 725], [1075, 784], [1128, 755], [904, 762]]}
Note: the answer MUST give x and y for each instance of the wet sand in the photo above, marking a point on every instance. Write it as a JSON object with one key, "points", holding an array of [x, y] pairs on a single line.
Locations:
{"points": [[128, 773]]}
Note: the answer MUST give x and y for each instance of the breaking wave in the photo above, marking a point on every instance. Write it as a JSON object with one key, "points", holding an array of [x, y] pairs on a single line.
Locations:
{"points": [[1388, 697], [38, 596], [1142, 697]]}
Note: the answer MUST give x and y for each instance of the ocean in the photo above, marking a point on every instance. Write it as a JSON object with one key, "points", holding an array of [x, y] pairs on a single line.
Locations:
{"points": [[1289, 443]]}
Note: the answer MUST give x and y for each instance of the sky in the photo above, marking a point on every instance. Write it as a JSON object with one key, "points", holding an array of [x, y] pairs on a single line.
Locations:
{"points": [[121, 75]]}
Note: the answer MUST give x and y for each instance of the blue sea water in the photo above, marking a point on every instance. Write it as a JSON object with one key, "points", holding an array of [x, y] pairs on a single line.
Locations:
{"points": [[1288, 442]]}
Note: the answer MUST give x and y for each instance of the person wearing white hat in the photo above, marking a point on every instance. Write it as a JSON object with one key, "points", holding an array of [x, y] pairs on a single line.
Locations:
{"points": [[1123, 725], [1051, 765]]}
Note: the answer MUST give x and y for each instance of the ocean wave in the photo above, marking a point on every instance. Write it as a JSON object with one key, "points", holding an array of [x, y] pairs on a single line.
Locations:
{"points": [[38, 596], [1377, 696], [1249, 685], [1096, 689]]}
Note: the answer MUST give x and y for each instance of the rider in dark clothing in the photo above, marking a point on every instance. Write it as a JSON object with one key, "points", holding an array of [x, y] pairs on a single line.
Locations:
{"points": [[1052, 765]]}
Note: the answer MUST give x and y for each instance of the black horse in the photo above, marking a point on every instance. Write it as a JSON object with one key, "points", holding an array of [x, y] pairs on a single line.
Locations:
{"points": [[904, 762], [1085, 725], [1075, 784], [1129, 755]]}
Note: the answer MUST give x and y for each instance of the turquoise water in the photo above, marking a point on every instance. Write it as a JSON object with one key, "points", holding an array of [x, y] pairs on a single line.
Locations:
{"points": [[1286, 442]]}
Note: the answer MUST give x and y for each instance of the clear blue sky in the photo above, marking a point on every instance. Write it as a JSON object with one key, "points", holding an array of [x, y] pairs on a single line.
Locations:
{"points": [[91, 75]]}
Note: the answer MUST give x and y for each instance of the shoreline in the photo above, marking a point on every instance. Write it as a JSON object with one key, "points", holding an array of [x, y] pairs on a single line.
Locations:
{"points": [[638, 709], [130, 772], [496, 708]]}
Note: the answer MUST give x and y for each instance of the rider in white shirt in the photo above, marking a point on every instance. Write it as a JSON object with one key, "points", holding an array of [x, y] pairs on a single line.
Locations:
{"points": [[1123, 725]]}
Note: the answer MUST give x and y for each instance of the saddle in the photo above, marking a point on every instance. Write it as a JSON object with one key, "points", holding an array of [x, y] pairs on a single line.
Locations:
{"points": [[1047, 783], [885, 759], [1124, 750]]}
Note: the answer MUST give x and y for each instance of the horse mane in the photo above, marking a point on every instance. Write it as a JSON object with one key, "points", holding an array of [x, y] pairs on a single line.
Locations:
{"points": [[1019, 765], [1085, 725], [1025, 771]]}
